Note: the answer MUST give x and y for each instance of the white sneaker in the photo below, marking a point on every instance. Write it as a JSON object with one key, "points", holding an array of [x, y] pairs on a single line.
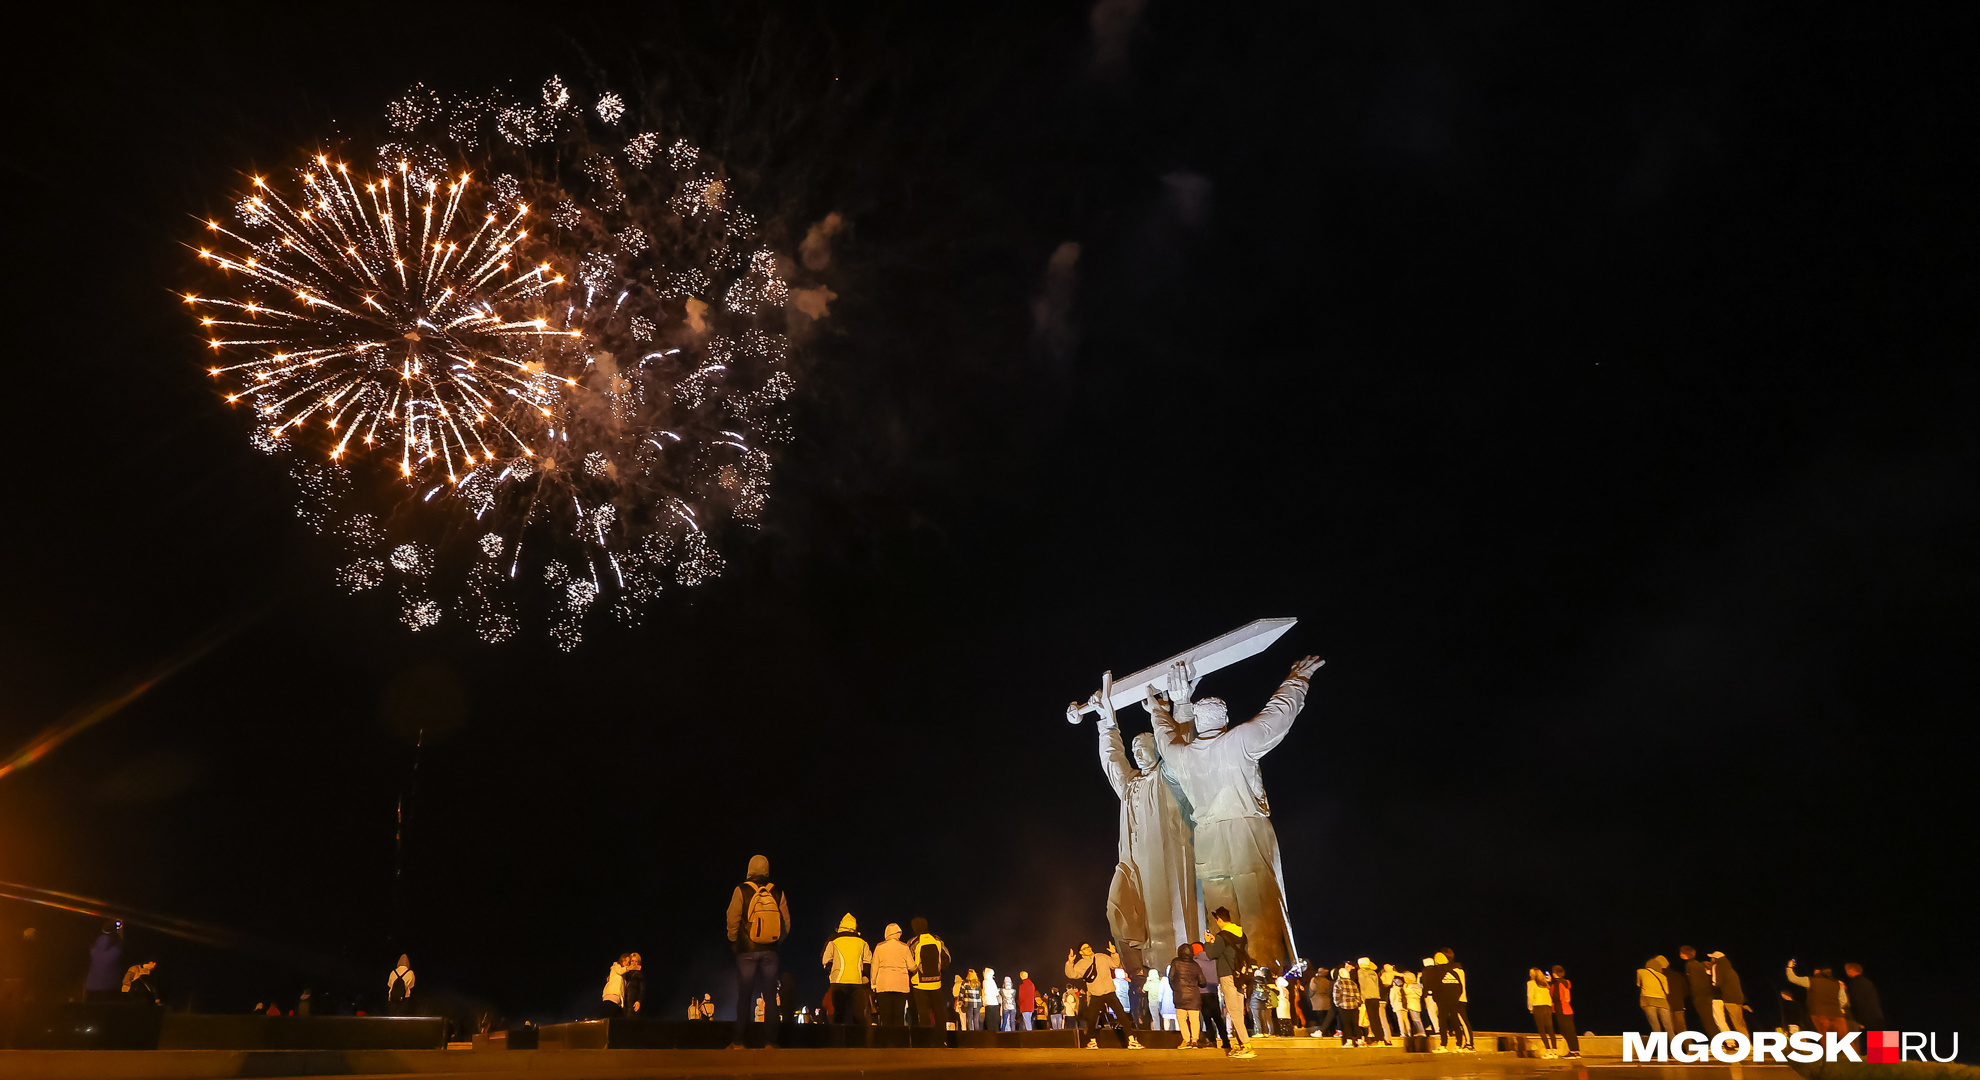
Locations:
{"points": [[1550, 1054], [1440, 1049], [1245, 1052], [1135, 1044], [1093, 1044]]}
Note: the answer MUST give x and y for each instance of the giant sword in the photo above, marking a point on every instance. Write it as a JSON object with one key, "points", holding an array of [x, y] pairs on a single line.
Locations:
{"points": [[1219, 652]]}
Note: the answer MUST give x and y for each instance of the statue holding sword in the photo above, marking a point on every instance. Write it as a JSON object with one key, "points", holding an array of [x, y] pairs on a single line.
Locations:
{"points": [[1196, 833]]}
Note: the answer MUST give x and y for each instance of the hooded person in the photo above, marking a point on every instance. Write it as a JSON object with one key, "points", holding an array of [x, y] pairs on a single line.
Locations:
{"points": [[1653, 993], [1151, 902], [928, 956], [1374, 993], [847, 960], [1008, 998], [987, 1021], [759, 917], [1186, 988], [1215, 767], [1729, 996], [891, 960], [399, 988]]}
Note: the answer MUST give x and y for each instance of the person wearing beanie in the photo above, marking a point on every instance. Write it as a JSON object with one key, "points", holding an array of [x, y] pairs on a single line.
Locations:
{"points": [[759, 917], [847, 960]]}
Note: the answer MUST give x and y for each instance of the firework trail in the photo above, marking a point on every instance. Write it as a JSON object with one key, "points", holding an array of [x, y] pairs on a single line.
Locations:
{"points": [[521, 343]]}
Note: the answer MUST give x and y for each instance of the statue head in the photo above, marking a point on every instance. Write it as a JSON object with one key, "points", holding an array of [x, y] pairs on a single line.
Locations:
{"points": [[1212, 717], [1144, 751]]}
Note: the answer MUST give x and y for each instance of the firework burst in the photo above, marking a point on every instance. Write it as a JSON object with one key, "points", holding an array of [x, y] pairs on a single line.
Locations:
{"points": [[518, 344]]}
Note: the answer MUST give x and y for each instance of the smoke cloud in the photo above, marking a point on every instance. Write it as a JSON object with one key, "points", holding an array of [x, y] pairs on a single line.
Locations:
{"points": [[1051, 311]]}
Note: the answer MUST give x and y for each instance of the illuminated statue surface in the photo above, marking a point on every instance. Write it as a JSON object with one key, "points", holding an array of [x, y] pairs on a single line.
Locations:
{"points": [[1215, 763], [1151, 905]]}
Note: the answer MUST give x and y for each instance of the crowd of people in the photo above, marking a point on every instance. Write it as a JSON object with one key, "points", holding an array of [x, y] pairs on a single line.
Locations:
{"points": [[1212, 991], [1711, 988]]}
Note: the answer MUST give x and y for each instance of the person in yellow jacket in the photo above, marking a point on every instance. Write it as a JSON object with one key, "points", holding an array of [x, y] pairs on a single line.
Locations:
{"points": [[847, 960], [930, 956]]}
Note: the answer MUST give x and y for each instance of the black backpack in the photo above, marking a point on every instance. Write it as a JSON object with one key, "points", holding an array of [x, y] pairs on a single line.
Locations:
{"points": [[930, 959]]}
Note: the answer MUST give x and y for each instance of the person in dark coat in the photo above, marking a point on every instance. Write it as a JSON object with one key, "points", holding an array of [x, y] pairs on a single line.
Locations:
{"points": [[1726, 981], [1864, 1003], [1698, 981], [634, 994], [1680, 989], [106, 964], [1794, 1015], [1186, 985]]}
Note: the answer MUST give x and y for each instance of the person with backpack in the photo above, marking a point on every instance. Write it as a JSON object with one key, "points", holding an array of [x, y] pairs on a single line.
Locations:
{"points": [[891, 960], [847, 960], [759, 917], [399, 988], [1227, 948], [928, 956], [1095, 973]]}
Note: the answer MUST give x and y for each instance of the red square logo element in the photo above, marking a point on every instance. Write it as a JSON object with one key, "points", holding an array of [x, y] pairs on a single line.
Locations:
{"points": [[1883, 1047]]}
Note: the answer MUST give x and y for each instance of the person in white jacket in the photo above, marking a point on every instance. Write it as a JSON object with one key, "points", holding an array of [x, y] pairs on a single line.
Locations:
{"points": [[990, 999], [891, 960], [399, 988], [614, 997]]}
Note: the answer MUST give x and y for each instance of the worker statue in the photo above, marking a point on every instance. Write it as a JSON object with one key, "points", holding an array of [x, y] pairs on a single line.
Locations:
{"points": [[1215, 764], [1151, 905]]}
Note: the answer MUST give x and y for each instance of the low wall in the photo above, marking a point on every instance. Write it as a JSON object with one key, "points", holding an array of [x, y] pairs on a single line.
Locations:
{"points": [[97, 1026], [713, 1035], [200, 1031]]}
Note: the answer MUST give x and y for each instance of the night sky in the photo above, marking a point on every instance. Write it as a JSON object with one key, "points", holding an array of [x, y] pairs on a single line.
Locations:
{"points": [[1595, 386]]}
